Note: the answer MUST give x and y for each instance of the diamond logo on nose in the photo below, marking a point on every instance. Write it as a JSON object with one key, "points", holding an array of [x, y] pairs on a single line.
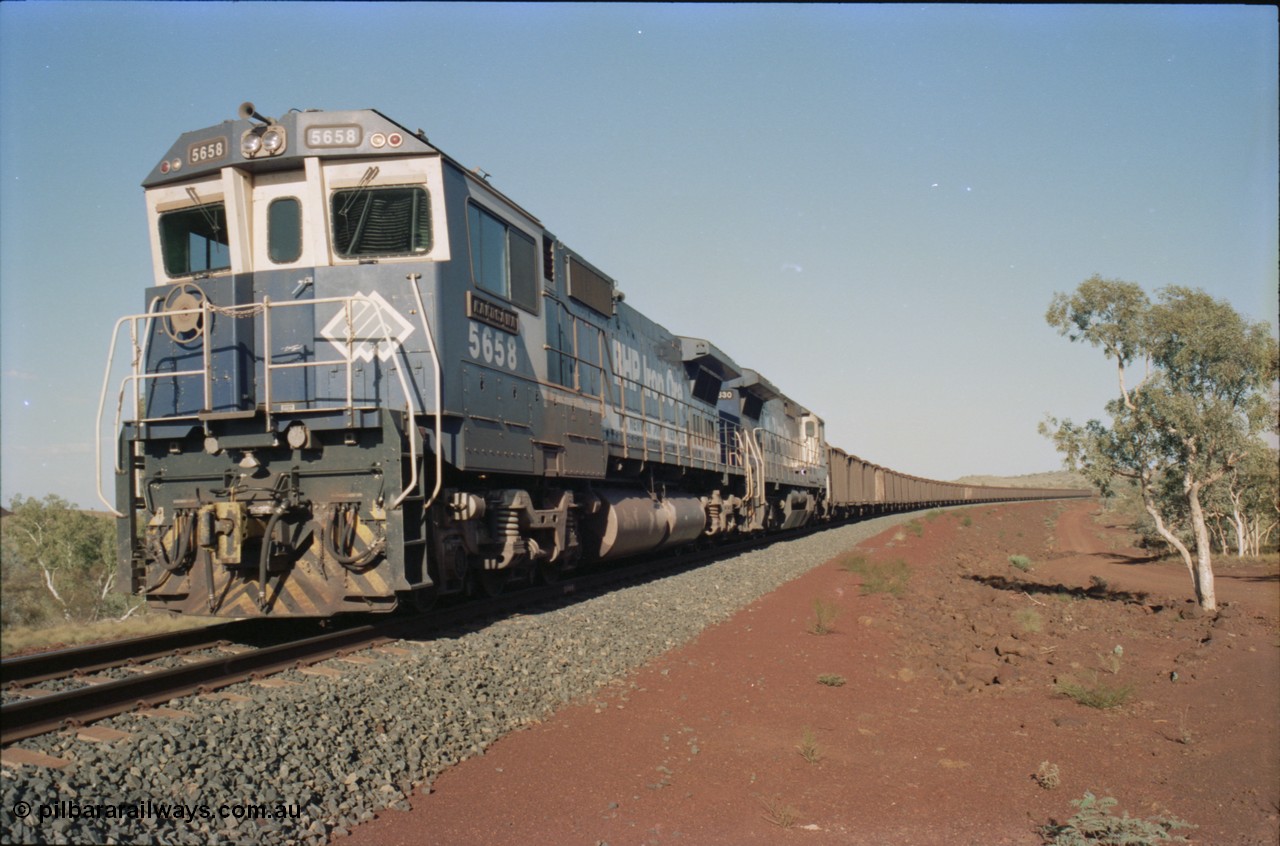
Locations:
{"points": [[376, 328]]}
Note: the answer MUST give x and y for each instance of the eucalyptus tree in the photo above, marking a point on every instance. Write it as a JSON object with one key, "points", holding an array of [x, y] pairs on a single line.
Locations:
{"points": [[1195, 382], [58, 561]]}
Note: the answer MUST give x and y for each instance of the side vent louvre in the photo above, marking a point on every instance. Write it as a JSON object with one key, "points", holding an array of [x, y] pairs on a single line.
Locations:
{"points": [[590, 288], [706, 385]]}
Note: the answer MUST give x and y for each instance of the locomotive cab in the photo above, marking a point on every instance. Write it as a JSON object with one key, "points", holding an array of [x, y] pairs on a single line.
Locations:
{"points": [[284, 380]]}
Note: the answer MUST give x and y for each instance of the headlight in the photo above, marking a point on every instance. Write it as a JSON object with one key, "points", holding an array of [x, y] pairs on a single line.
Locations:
{"points": [[297, 435], [250, 144], [273, 140], [263, 141]]}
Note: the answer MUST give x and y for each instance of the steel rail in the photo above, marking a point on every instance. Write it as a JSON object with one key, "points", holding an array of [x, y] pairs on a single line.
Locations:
{"points": [[30, 717], [40, 666]]}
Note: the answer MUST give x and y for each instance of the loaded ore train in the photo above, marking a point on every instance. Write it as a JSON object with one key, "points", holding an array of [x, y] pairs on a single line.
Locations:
{"points": [[366, 378]]}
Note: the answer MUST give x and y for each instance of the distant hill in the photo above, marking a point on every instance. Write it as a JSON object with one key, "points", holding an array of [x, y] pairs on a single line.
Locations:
{"points": [[1054, 479]]}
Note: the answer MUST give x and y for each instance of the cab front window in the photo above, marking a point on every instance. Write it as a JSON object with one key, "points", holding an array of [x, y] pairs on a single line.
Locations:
{"points": [[392, 221], [195, 240]]}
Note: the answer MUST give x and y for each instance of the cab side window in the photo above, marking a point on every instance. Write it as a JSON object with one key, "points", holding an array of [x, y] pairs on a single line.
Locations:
{"points": [[195, 240], [503, 259]]}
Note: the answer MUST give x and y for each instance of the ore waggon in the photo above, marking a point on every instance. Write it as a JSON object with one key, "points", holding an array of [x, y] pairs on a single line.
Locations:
{"points": [[364, 377]]}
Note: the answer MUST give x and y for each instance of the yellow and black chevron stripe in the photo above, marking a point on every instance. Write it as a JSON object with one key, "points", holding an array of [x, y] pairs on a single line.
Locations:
{"points": [[313, 586]]}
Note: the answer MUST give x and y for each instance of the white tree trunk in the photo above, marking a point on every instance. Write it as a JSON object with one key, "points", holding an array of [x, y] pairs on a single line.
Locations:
{"points": [[1203, 574], [1172, 539], [53, 590]]}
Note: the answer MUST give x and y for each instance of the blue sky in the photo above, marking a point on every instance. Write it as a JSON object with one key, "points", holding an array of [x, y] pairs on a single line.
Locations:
{"points": [[871, 205]]}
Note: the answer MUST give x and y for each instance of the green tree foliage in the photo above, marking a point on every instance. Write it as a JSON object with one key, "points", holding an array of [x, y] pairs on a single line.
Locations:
{"points": [[58, 564], [1193, 418]]}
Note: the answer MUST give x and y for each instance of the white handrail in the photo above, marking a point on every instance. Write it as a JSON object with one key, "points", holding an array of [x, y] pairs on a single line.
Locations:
{"points": [[102, 401], [435, 355], [138, 378], [408, 396]]}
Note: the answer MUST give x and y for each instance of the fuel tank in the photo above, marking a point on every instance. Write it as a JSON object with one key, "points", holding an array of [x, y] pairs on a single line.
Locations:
{"points": [[632, 522]]}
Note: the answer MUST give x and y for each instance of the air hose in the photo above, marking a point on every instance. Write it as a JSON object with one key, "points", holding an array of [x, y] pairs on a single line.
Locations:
{"points": [[181, 557], [340, 534]]}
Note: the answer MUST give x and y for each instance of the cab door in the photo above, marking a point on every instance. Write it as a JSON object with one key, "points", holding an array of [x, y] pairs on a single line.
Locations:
{"points": [[288, 221], [287, 240]]}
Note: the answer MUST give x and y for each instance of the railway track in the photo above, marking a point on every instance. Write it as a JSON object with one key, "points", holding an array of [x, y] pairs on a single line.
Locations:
{"points": [[25, 670], [146, 687]]}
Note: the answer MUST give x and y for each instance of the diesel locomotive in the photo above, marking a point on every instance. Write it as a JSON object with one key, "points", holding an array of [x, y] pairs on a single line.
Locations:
{"points": [[364, 377]]}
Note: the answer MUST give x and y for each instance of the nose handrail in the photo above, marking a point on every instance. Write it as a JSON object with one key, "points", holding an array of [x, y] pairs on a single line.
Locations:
{"points": [[138, 378]]}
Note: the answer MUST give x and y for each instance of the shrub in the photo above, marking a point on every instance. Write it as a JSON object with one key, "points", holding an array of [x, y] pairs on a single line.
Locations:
{"points": [[831, 680], [1030, 620], [783, 816], [1093, 825], [854, 563], [1021, 562], [1100, 696], [879, 577], [824, 617], [1048, 775], [889, 577], [808, 747], [58, 564]]}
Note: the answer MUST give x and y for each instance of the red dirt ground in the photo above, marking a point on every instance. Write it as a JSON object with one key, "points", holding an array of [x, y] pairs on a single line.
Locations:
{"points": [[949, 709]]}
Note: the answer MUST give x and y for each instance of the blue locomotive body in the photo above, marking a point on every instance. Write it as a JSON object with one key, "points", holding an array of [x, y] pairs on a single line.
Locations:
{"points": [[363, 376]]}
